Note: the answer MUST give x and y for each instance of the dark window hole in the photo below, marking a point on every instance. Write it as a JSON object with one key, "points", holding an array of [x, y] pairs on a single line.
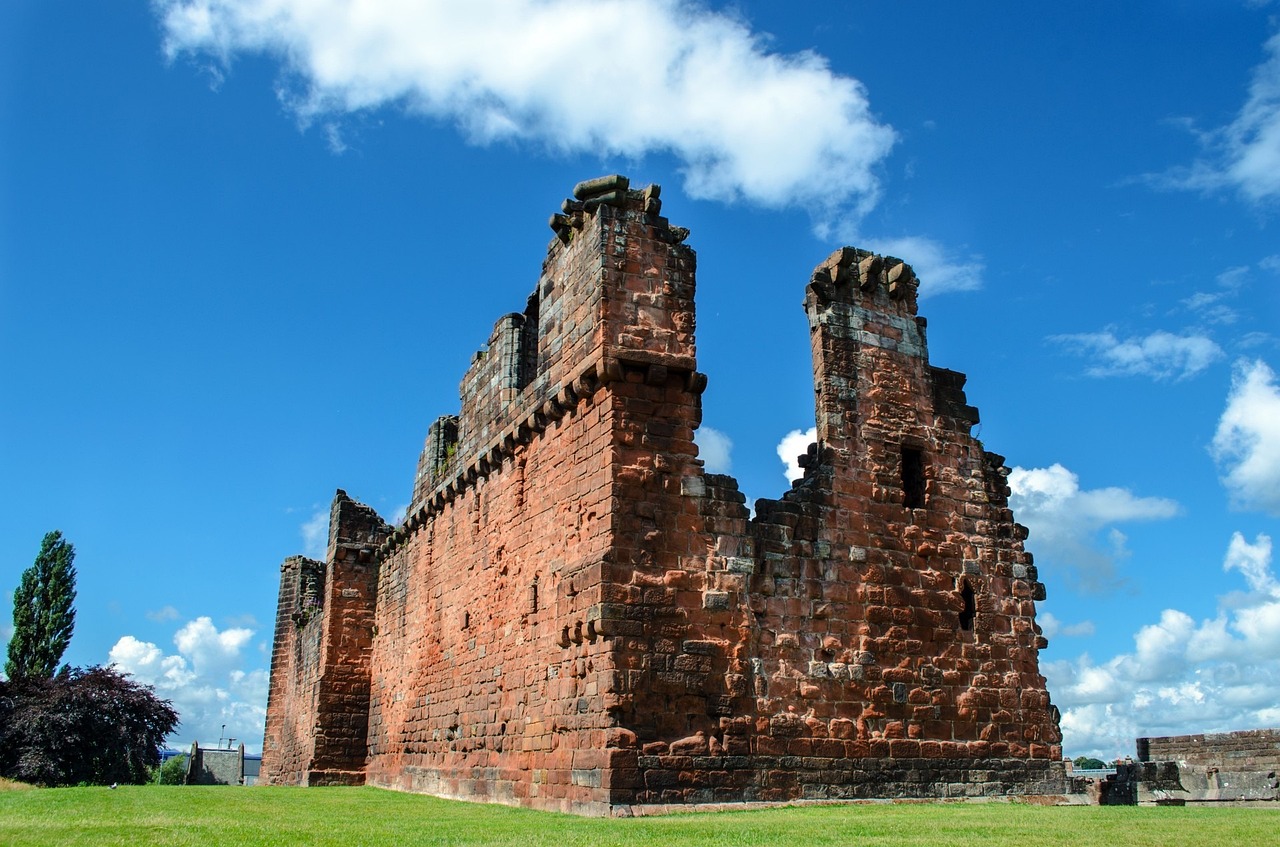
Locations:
{"points": [[970, 610], [912, 478]]}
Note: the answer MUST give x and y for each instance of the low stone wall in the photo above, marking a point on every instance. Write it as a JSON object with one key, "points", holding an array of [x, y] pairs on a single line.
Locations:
{"points": [[717, 779], [1215, 768], [215, 766], [1248, 750]]}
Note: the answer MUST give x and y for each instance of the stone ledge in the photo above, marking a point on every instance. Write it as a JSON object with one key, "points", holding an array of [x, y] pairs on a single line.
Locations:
{"points": [[597, 372], [651, 809]]}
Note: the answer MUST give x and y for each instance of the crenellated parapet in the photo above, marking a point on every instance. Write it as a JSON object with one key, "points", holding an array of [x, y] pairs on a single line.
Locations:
{"points": [[868, 299], [851, 275], [616, 291], [575, 615], [355, 530]]}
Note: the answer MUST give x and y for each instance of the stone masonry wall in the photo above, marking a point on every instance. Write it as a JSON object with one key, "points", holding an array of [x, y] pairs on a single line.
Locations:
{"points": [[318, 700], [215, 766], [473, 694], [1227, 767], [574, 615], [1247, 750], [490, 677], [289, 741], [849, 641]]}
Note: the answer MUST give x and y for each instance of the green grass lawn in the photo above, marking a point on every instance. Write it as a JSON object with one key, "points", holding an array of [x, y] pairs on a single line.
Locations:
{"points": [[367, 817]]}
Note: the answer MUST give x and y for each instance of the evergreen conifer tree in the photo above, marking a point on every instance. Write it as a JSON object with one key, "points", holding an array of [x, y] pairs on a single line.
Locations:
{"points": [[43, 612]]}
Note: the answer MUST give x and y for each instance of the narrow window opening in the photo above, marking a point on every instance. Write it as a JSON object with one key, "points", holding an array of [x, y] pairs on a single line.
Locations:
{"points": [[528, 364], [533, 597], [912, 478], [970, 610], [466, 620]]}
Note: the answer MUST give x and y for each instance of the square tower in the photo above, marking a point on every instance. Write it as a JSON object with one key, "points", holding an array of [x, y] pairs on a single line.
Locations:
{"points": [[574, 615]]}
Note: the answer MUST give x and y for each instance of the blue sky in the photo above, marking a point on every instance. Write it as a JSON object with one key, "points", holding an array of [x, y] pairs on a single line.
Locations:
{"points": [[247, 248]]}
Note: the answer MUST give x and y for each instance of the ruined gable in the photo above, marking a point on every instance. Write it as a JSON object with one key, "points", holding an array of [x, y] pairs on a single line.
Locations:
{"points": [[574, 615]]}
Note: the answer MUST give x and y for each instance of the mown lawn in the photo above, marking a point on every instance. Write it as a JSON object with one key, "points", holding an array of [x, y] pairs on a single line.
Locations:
{"points": [[367, 817]]}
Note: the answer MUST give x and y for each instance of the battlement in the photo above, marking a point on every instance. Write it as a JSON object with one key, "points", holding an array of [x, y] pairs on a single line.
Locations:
{"points": [[616, 290], [574, 615], [850, 275]]}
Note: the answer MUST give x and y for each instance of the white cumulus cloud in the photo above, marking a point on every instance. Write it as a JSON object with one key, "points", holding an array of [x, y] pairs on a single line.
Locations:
{"points": [[206, 647], [206, 680], [619, 77], [1244, 155], [1247, 443], [716, 449], [1073, 528], [792, 446], [939, 270], [1182, 676], [1254, 561], [315, 535], [1052, 627], [1160, 355]]}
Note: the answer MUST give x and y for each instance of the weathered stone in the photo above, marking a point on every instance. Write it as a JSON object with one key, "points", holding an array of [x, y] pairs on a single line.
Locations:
{"points": [[601, 185], [715, 600], [576, 616], [1216, 768]]}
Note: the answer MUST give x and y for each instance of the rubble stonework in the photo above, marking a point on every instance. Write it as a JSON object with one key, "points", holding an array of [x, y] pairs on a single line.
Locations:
{"points": [[574, 615], [1216, 768], [1247, 750]]}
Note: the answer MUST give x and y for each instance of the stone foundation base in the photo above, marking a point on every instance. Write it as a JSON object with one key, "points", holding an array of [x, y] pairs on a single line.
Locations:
{"points": [[669, 784], [671, 780], [335, 777], [639, 811]]}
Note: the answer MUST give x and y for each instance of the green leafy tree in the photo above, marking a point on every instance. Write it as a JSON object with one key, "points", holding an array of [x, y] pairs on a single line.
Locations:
{"points": [[85, 725], [1088, 763], [173, 772], [43, 611]]}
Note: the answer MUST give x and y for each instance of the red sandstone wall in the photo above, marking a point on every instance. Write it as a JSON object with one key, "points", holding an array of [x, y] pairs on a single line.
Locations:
{"points": [[318, 701], [477, 692], [678, 651], [771, 659], [926, 679], [288, 743], [473, 693]]}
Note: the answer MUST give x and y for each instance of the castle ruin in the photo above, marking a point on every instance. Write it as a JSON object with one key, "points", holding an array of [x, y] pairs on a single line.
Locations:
{"points": [[575, 615]]}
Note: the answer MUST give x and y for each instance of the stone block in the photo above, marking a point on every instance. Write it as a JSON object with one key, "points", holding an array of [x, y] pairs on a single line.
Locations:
{"points": [[715, 600], [576, 616]]}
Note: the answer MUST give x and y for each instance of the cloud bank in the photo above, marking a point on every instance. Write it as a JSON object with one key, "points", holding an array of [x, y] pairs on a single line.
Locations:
{"points": [[1244, 155], [715, 448], [1182, 676], [206, 680], [1067, 522], [792, 446], [1247, 443], [611, 77], [1160, 355]]}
